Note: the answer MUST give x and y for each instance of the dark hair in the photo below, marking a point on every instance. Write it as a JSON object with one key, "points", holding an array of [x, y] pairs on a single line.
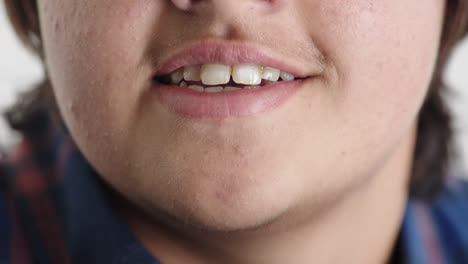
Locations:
{"points": [[434, 148]]}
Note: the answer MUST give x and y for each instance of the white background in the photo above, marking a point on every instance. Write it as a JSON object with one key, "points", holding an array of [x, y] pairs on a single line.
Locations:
{"points": [[18, 70]]}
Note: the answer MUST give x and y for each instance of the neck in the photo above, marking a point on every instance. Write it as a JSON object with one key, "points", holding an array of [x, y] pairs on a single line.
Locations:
{"points": [[360, 227]]}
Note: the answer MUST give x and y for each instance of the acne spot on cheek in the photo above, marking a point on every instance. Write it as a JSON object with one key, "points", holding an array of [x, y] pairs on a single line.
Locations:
{"points": [[240, 150], [276, 4]]}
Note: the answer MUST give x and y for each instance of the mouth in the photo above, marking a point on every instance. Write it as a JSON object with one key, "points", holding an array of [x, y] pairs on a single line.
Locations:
{"points": [[216, 79]]}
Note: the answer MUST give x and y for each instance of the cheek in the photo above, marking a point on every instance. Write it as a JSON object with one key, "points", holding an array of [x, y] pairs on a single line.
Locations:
{"points": [[383, 54], [93, 55]]}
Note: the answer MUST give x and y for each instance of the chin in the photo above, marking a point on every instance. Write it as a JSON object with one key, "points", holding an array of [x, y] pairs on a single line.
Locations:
{"points": [[229, 202]]}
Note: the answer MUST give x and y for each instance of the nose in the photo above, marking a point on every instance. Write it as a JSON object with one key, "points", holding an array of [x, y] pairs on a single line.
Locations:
{"points": [[200, 6], [184, 5]]}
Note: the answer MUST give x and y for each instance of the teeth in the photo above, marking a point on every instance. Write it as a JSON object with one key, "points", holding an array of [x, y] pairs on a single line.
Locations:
{"points": [[250, 75], [197, 88], [215, 74], [192, 73], [246, 74], [270, 74], [252, 87], [177, 76], [231, 88], [215, 89], [286, 76]]}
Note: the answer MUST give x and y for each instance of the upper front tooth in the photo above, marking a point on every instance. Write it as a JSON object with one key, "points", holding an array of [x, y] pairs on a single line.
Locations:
{"points": [[192, 73], [270, 74], [286, 76], [215, 74], [177, 76], [246, 74]]}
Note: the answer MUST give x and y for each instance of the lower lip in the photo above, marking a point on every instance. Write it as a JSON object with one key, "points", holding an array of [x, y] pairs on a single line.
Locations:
{"points": [[241, 103]]}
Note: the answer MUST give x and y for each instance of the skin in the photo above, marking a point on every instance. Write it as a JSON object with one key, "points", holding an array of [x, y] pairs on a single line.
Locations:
{"points": [[323, 178]]}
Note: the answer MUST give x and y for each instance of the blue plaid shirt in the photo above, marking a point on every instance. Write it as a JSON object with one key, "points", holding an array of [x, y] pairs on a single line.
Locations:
{"points": [[55, 209]]}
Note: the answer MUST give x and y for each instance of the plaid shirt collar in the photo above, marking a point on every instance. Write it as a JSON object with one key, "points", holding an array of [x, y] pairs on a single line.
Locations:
{"points": [[95, 233], [61, 211], [63, 207]]}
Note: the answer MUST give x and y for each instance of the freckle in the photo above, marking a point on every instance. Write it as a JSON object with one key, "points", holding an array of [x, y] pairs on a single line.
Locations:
{"points": [[219, 195], [240, 150], [56, 26], [71, 107]]}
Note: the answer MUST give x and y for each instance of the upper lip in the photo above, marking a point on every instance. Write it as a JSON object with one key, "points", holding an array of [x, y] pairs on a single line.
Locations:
{"points": [[227, 53]]}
